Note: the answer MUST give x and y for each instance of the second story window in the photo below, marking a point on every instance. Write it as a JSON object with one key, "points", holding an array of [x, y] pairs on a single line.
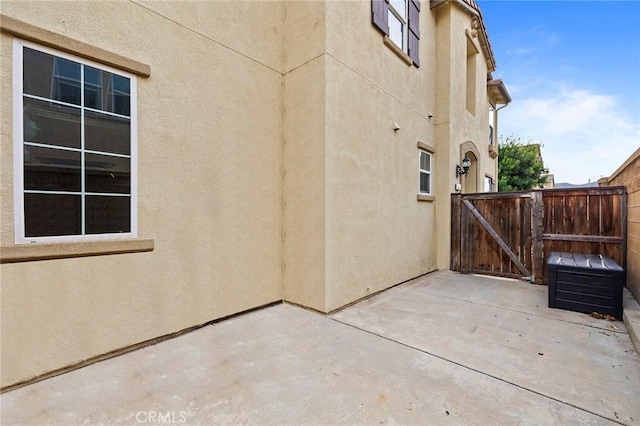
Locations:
{"points": [[398, 21]]}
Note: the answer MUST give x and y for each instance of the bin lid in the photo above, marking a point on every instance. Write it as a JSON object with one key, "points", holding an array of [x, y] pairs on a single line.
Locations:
{"points": [[580, 260]]}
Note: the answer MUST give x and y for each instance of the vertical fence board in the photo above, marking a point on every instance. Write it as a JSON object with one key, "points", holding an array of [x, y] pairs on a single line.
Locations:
{"points": [[579, 220], [537, 227], [455, 232], [485, 211], [594, 215], [607, 215], [526, 234], [558, 214], [465, 234]]}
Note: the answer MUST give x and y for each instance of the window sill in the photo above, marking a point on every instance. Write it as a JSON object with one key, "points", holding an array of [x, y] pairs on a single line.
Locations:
{"points": [[33, 252], [394, 47], [425, 197]]}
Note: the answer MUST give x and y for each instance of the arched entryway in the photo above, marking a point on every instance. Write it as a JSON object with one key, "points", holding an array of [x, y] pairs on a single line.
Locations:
{"points": [[470, 181]]}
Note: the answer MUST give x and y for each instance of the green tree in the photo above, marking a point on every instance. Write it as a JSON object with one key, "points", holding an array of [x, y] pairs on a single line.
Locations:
{"points": [[520, 165]]}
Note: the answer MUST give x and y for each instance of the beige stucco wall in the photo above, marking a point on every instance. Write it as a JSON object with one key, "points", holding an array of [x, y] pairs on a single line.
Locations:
{"points": [[353, 225], [629, 175], [304, 161], [465, 126], [209, 182], [368, 229], [377, 233], [269, 168], [455, 127]]}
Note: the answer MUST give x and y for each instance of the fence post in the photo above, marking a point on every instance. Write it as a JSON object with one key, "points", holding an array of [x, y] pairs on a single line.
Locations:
{"points": [[456, 234], [537, 245]]}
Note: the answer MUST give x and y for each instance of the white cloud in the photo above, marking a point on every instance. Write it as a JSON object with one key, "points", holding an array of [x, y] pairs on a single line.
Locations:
{"points": [[520, 51], [543, 35], [584, 134]]}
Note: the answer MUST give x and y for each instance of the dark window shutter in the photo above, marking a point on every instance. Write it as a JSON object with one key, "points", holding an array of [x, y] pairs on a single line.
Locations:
{"points": [[414, 31], [380, 15]]}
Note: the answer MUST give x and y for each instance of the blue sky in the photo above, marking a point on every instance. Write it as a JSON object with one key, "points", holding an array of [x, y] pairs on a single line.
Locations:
{"points": [[573, 71]]}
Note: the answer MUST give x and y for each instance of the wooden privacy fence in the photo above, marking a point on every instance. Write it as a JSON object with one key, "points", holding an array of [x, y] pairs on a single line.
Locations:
{"points": [[512, 233]]}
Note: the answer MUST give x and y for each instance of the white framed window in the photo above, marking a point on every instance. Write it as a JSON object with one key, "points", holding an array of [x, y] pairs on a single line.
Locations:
{"points": [[398, 23], [75, 148], [489, 186], [425, 172]]}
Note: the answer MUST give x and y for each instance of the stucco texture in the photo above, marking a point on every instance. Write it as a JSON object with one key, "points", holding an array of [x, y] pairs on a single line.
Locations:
{"points": [[269, 168], [385, 234], [456, 127], [209, 132]]}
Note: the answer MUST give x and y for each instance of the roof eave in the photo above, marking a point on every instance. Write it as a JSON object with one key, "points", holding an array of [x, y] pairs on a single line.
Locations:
{"points": [[499, 92], [472, 7]]}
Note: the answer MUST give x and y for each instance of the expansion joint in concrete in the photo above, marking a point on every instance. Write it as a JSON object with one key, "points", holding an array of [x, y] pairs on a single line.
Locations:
{"points": [[608, 330], [479, 372]]}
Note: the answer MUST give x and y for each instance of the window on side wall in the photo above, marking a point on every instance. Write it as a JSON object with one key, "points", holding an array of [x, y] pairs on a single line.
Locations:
{"points": [[75, 148], [489, 186], [399, 20], [425, 172]]}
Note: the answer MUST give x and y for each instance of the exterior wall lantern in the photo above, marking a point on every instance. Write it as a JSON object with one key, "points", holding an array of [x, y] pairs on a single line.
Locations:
{"points": [[466, 164]]}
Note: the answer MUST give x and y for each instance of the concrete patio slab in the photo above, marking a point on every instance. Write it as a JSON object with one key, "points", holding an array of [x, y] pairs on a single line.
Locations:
{"points": [[418, 354], [504, 329]]}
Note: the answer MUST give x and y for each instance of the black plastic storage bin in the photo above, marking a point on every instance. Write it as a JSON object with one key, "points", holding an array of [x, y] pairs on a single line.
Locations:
{"points": [[585, 283]]}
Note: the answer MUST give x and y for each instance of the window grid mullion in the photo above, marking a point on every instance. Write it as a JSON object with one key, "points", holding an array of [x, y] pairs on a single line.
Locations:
{"points": [[67, 104], [113, 114], [46, 145], [66, 148], [397, 15], [82, 155], [50, 100], [102, 194], [108, 154]]}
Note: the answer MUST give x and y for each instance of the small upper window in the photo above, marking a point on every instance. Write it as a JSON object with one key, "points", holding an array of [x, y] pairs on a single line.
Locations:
{"points": [[75, 147], [489, 186], [399, 20], [398, 23], [425, 172]]}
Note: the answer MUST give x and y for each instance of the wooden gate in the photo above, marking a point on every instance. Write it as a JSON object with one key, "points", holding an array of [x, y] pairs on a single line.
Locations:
{"points": [[511, 233]]}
